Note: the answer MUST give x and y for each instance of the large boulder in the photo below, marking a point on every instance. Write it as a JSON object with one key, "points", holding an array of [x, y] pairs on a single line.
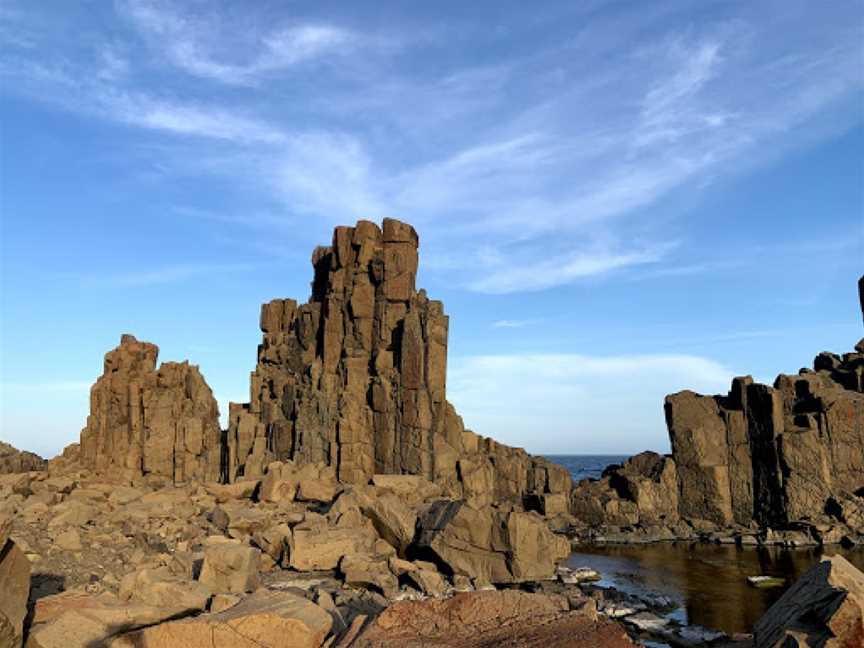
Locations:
{"points": [[489, 618], [823, 609], [230, 568], [149, 421], [488, 545], [263, 620]]}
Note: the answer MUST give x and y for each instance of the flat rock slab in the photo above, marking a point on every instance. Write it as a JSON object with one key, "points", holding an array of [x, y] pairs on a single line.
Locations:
{"points": [[489, 619]]}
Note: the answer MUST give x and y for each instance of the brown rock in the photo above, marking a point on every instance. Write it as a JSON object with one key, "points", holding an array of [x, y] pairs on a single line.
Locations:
{"points": [[356, 380], [263, 620], [230, 568], [362, 570], [825, 607], [13, 460], [317, 546], [145, 421], [160, 588], [489, 618]]}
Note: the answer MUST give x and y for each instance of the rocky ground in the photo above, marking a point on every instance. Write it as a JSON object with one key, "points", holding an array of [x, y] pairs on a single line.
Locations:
{"points": [[296, 552]]}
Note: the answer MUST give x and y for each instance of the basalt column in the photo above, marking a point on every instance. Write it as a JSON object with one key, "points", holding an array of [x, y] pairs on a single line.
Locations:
{"points": [[356, 377]]}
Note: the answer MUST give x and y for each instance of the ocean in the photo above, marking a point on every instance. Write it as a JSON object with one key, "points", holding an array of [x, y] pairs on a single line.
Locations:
{"points": [[585, 466]]}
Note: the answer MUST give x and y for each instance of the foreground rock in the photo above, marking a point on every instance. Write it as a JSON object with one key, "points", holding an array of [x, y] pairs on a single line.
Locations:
{"points": [[14, 588], [825, 608], [13, 460], [262, 620], [490, 618]]}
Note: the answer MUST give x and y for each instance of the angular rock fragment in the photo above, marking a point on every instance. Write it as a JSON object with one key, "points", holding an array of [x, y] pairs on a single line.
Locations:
{"points": [[825, 607]]}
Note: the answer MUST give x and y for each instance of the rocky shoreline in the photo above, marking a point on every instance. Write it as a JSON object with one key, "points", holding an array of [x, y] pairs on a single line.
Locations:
{"points": [[347, 505]]}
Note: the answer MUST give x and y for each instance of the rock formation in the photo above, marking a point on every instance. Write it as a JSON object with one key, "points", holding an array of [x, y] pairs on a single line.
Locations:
{"points": [[145, 421], [824, 608], [356, 379], [785, 456], [13, 460]]}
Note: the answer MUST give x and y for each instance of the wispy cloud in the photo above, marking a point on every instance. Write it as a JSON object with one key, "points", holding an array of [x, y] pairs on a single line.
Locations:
{"points": [[537, 171], [192, 43], [563, 270], [508, 323]]}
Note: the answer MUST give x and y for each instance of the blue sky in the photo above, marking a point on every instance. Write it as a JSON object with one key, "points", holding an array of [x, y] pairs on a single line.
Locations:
{"points": [[615, 200]]}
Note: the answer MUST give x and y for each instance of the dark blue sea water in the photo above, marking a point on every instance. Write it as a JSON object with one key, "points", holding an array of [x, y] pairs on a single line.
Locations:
{"points": [[584, 466]]}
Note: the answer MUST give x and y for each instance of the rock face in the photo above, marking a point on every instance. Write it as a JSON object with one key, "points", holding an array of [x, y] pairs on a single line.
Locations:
{"points": [[13, 460], [771, 457], [824, 608], [356, 379], [145, 421]]}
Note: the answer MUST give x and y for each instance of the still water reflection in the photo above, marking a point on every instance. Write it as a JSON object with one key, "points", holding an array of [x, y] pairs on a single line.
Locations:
{"points": [[709, 581]]}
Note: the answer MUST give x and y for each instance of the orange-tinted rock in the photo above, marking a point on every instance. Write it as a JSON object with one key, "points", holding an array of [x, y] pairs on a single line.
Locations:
{"points": [[145, 421], [489, 618]]}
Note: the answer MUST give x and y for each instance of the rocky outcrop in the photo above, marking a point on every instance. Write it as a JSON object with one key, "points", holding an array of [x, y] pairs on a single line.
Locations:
{"points": [[147, 421], [787, 456], [13, 460], [356, 379], [824, 608]]}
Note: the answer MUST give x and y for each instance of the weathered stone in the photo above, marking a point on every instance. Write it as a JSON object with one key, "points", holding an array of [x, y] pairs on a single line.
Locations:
{"points": [[362, 570], [493, 546], [263, 620], [145, 421], [230, 568], [825, 607], [489, 618], [314, 547], [160, 588], [356, 380], [13, 460]]}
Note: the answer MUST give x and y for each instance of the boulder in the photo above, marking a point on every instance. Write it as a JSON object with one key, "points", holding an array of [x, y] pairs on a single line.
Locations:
{"points": [[368, 571], [263, 620], [77, 620], [230, 568], [317, 546], [824, 608], [489, 545], [160, 588], [488, 618]]}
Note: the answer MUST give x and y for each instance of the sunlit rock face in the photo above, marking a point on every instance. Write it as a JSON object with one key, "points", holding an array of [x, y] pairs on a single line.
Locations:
{"points": [[148, 421], [356, 378]]}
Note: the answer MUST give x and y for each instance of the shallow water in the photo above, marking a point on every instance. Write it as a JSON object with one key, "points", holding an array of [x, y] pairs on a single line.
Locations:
{"points": [[708, 581]]}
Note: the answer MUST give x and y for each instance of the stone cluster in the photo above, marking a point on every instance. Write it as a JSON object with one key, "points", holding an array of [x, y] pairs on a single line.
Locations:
{"points": [[780, 463]]}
